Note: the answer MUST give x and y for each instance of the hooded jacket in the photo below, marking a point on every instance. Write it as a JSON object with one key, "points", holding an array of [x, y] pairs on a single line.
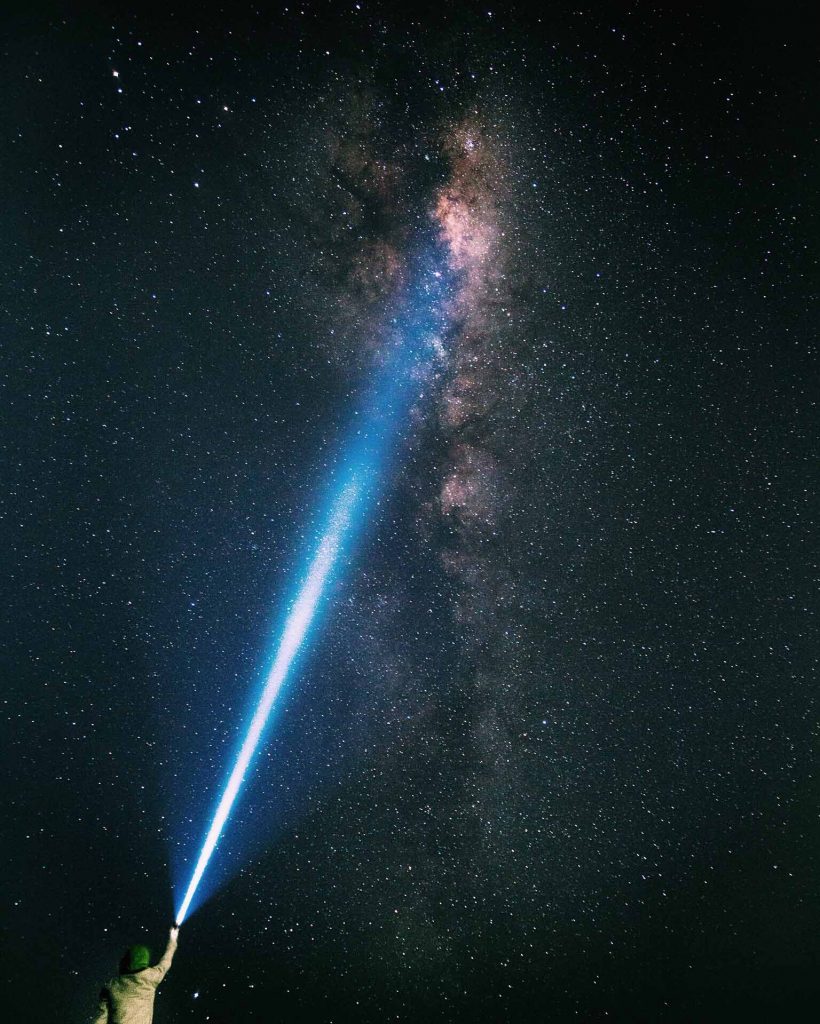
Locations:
{"points": [[129, 998]]}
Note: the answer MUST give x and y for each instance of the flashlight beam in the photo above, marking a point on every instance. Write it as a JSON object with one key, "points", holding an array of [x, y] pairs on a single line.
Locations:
{"points": [[420, 322], [296, 626]]}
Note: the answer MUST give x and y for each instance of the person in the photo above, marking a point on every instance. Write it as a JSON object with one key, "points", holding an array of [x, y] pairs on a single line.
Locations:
{"points": [[129, 998]]}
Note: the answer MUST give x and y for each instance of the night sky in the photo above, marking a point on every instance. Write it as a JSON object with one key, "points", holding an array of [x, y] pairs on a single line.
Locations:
{"points": [[550, 752]]}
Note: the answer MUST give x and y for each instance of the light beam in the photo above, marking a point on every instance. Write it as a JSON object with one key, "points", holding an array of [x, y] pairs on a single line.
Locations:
{"points": [[420, 326], [296, 626]]}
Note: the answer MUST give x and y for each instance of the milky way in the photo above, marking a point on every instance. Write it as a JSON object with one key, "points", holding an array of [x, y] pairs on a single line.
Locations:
{"points": [[467, 209]]}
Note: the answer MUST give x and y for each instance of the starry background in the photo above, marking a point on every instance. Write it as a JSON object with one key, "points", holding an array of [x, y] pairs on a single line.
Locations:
{"points": [[551, 753]]}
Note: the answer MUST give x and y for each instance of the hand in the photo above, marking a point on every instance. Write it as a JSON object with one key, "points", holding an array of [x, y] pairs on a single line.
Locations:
{"points": [[174, 932]]}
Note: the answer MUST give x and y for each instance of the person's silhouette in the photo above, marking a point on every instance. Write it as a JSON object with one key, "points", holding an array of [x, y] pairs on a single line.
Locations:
{"points": [[129, 998]]}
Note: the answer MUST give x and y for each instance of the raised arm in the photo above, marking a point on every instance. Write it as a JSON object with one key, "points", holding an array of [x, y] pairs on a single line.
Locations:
{"points": [[158, 972]]}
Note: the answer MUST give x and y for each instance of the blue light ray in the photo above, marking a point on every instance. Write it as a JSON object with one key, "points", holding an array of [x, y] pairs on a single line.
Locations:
{"points": [[296, 626], [419, 324]]}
